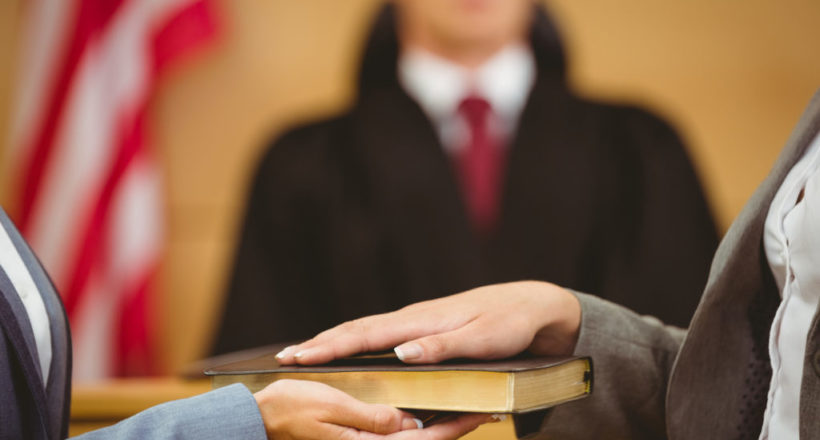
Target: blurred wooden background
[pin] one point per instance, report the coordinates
(732, 75)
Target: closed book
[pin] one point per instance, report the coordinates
(515, 385)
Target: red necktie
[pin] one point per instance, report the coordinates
(480, 165)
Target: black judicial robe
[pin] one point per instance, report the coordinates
(361, 213)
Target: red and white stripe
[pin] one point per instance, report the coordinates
(89, 197)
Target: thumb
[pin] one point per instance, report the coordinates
(435, 348)
(378, 419)
(480, 339)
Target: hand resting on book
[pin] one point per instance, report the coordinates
(489, 322)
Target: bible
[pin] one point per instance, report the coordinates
(515, 385)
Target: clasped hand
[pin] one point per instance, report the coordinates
(303, 410)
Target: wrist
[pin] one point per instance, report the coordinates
(558, 321)
(267, 401)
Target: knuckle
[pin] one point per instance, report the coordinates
(436, 346)
(383, 420)
(358, 325)
(353, 328)
(282, 385)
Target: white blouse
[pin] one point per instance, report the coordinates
(792, 245)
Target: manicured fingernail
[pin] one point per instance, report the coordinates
(285, 352)
(410, 423)
(408, 352)
(498, 418)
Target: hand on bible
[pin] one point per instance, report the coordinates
(489, 322)
(301, 410)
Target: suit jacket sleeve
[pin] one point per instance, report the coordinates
(632, 359)
(229, 412)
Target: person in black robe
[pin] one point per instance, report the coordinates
(362, 213)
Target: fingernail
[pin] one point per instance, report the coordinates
(285, 352)
(411, 424)
(408, 352)
(498, 418)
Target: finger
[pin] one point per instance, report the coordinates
(368, 334)
(344, 410)
(449, 430)
(350, 433)
(480, 339)
(379, 332)
(378, 419)
(341, 346)
(343, 340)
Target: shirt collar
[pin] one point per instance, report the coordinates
(439, 85)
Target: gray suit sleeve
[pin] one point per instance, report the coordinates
(229, 412)
(632, 359)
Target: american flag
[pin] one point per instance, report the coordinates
(88, 190)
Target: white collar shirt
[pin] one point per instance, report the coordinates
(792, 245)
(439, 85)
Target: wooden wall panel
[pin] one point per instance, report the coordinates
(9, 22)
